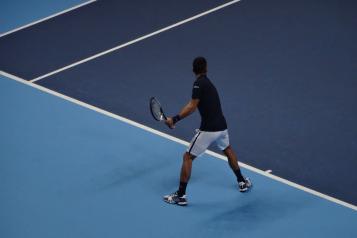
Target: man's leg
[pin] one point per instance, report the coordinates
(185, 173)
(233, 163)
(198, 145)
(244, 183)
(179, 197)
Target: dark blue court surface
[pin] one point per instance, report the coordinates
(89, 30)
(285, 72)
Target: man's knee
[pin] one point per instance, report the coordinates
(188, 156)
(227, 150)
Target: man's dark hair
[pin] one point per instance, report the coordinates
(199, 65)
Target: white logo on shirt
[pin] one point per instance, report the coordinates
(196, 87)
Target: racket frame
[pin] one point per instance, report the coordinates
(163, 116)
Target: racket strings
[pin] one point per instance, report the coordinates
(156, 110)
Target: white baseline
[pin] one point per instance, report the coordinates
(159, 133)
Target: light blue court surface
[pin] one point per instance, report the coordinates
(67, 171)
(16, 13)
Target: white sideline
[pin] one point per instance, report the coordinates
(134, 41)
(46, 18)
(159, 133)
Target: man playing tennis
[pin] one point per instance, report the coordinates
(213, 129)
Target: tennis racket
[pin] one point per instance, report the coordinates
(156, 110)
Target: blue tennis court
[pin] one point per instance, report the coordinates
(81, 155)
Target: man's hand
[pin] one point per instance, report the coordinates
(170, 123)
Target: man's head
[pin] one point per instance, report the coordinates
(199, 66)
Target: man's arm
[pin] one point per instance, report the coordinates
(189, 108)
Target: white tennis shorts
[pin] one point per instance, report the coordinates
(203, 139)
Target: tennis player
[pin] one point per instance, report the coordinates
(213, 129)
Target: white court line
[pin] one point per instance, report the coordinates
(134, 41)
(159, 133)
(46, 18)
